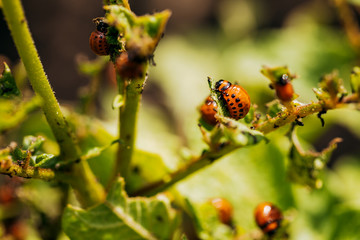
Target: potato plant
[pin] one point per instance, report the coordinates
(69, 176)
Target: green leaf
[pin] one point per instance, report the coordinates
(8, 86)
(18, 154)
(331, 90)
(274, 107)
(305, 167)
(45, 160)
(13, 113)
(96, 151)
(141, 34)
(145, 167)
(32, 143)
(121, 217)
(275, 73)
(92, 68)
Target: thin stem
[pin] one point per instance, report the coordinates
(287, 116)
(127, 121)
(89, 191)
(193, 166)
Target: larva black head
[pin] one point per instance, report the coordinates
(222, 85)
(284, 79)
(102, 27)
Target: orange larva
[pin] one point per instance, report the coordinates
(284, 89)
(237, 99)
(224, 210)
(98, 41)
(208, 111)
(268, 217)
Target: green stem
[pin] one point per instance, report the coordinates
(193, 166)
(127, 121)
(287, 116)
(89, 191)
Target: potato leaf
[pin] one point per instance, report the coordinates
(305, 166)
(121, 217)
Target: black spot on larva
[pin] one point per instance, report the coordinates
(228, 99)
(100, 41)
(231, 104)
(240, 105)
(241, 110)
(240, 114)
(96, 36)
(227, 94)
(235, 111)
(237, 100)
(101, 36)
(233, 95)
(233, 108)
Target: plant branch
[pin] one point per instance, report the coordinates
(288, 116)
(7, 167)
(197, 163)
(70, 151)
(128, 119)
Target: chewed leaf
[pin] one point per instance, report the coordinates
(305, 166)
(331, 90)
(274, 108)
(45, 160)
(231, 133)
(121, 217)
(275, 73)
(140, 33)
